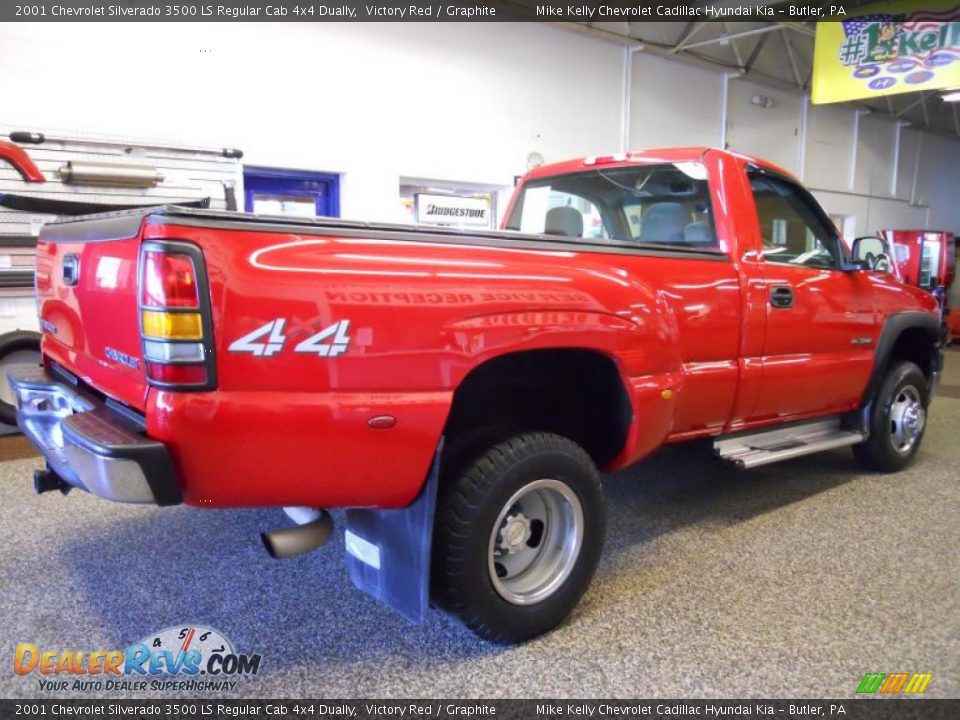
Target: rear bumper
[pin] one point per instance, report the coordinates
(89, 444)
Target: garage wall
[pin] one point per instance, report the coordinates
(937, 181)
(660, 116)
(853, 163)
(453, 102)
(772, 133)
(374, 101)
(871, 179)
(829, 150)
(907, 165)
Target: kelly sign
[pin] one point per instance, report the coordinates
(892, 48)
(453, 210)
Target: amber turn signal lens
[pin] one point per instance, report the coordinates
(172, 326)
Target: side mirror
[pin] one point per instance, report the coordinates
(870, 253)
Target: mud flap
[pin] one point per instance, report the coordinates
(388, 551)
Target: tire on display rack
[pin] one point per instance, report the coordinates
(517, 536)
(16, 348)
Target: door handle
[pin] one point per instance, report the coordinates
(781, 297)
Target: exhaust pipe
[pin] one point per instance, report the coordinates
(312, 530)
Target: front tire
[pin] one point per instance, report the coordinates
(517, 537)
(898, 420)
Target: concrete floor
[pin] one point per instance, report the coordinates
(790, 581)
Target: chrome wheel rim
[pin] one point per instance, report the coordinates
(908, 418)
(535, 541)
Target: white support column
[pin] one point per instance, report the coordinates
(916, 169)
(625, 99)
(724, 93)
(896, 161)
(802, 149)
(853, 151)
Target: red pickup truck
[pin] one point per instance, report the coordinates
(459, 391)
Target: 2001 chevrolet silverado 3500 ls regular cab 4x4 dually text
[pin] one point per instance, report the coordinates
(458, 391)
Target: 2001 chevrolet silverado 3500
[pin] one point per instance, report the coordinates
(458, 391)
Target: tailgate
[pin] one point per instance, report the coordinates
(88, 302)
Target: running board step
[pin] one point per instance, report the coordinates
(770, 446)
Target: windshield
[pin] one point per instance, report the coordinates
(666, 204)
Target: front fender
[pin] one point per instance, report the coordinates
(893, 328)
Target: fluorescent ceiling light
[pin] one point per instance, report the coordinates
(951, 96)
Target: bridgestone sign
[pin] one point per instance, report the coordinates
(452, 210)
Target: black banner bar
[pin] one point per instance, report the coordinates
(418, 11)
(190, 709)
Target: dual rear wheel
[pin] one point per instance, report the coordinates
(517, 537)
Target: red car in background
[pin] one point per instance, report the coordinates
(927, 259)
(923, 258)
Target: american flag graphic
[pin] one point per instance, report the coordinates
(927, 20)
(858, 25)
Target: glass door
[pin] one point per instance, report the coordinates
(277, 191)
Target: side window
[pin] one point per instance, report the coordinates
(794, 229)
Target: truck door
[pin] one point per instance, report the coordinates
(821, 325)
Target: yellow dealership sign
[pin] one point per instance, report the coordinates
(887, 49)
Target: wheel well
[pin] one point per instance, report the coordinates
(916, 345)
(573, 392)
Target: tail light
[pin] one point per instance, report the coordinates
(175, 324)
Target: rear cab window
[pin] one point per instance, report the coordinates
(646, 205)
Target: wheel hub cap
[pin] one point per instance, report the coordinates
(535, 541)
(914, 419)
(908, 418)
(515, 533)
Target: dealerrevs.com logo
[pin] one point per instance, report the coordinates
(181, 658)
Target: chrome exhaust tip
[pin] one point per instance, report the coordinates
(312, 532)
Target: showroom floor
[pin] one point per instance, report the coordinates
(792, 581)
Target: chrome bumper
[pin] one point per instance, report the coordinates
(90, 445)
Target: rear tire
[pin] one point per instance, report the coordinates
(898, 420)
(517, 537)
(20, 346)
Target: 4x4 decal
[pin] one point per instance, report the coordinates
(269, 339)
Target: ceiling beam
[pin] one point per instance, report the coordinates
(903, 111)
(688, 30)
(728, 37)
(689, 33)
(801, 28)
(733, 46)
(792, 58)
(666, 51)
(757, 49)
